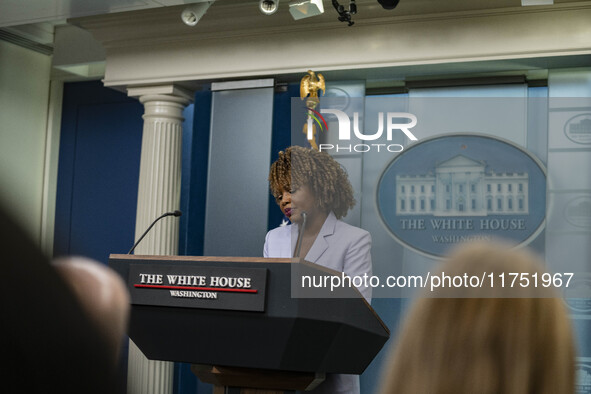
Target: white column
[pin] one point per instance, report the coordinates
(159, 192)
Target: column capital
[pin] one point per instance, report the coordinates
(164, 92)
(165, 101)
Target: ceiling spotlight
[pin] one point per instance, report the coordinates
(193, 13)
(268, 7)
(300, 9)
(388, 4)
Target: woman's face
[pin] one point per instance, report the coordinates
(293, 203)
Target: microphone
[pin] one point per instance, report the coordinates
(176, 213)
(300, 234)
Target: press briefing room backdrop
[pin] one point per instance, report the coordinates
(73, 117)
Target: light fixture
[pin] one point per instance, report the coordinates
(192, 14)
(300, 9)
(388, 4)
(268, 7)
(345, 14)
(536, 2)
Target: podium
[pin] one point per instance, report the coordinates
(252, 323)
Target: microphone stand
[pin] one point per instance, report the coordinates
(300, 235)
(175, 213)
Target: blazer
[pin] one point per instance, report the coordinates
(338, 246)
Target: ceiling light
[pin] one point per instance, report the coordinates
(192, 14)
(388, 4)
(268, 7)
(300, 9)
(536, 2)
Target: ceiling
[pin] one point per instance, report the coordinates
(23, 12)
(34, 21)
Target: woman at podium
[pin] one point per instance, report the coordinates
(314, 192)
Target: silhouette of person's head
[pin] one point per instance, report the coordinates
(485, 340)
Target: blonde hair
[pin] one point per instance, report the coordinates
(518, 345)
(326, 178)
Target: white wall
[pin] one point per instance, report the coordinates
(570, 83)
(24, 99)
(569, 167)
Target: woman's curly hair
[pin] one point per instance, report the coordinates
(326, 178)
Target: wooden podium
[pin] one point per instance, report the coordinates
(248, 325)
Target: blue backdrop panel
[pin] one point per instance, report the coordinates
(98, 171)
(98, 175)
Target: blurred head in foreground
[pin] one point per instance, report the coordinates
(103, 295)
(495, 341)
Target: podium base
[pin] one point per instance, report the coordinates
(236, 380)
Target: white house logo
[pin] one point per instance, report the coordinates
(578, 129)
(583, 379)
(454, 189)
(576, 296)
(578, 212)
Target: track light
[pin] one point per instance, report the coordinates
(192, 14)
(388, 4)
(268, 7)
(305, 8)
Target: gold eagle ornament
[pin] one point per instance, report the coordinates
(311, 84)
(309, 87)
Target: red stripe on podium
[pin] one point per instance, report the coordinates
(197, 288)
